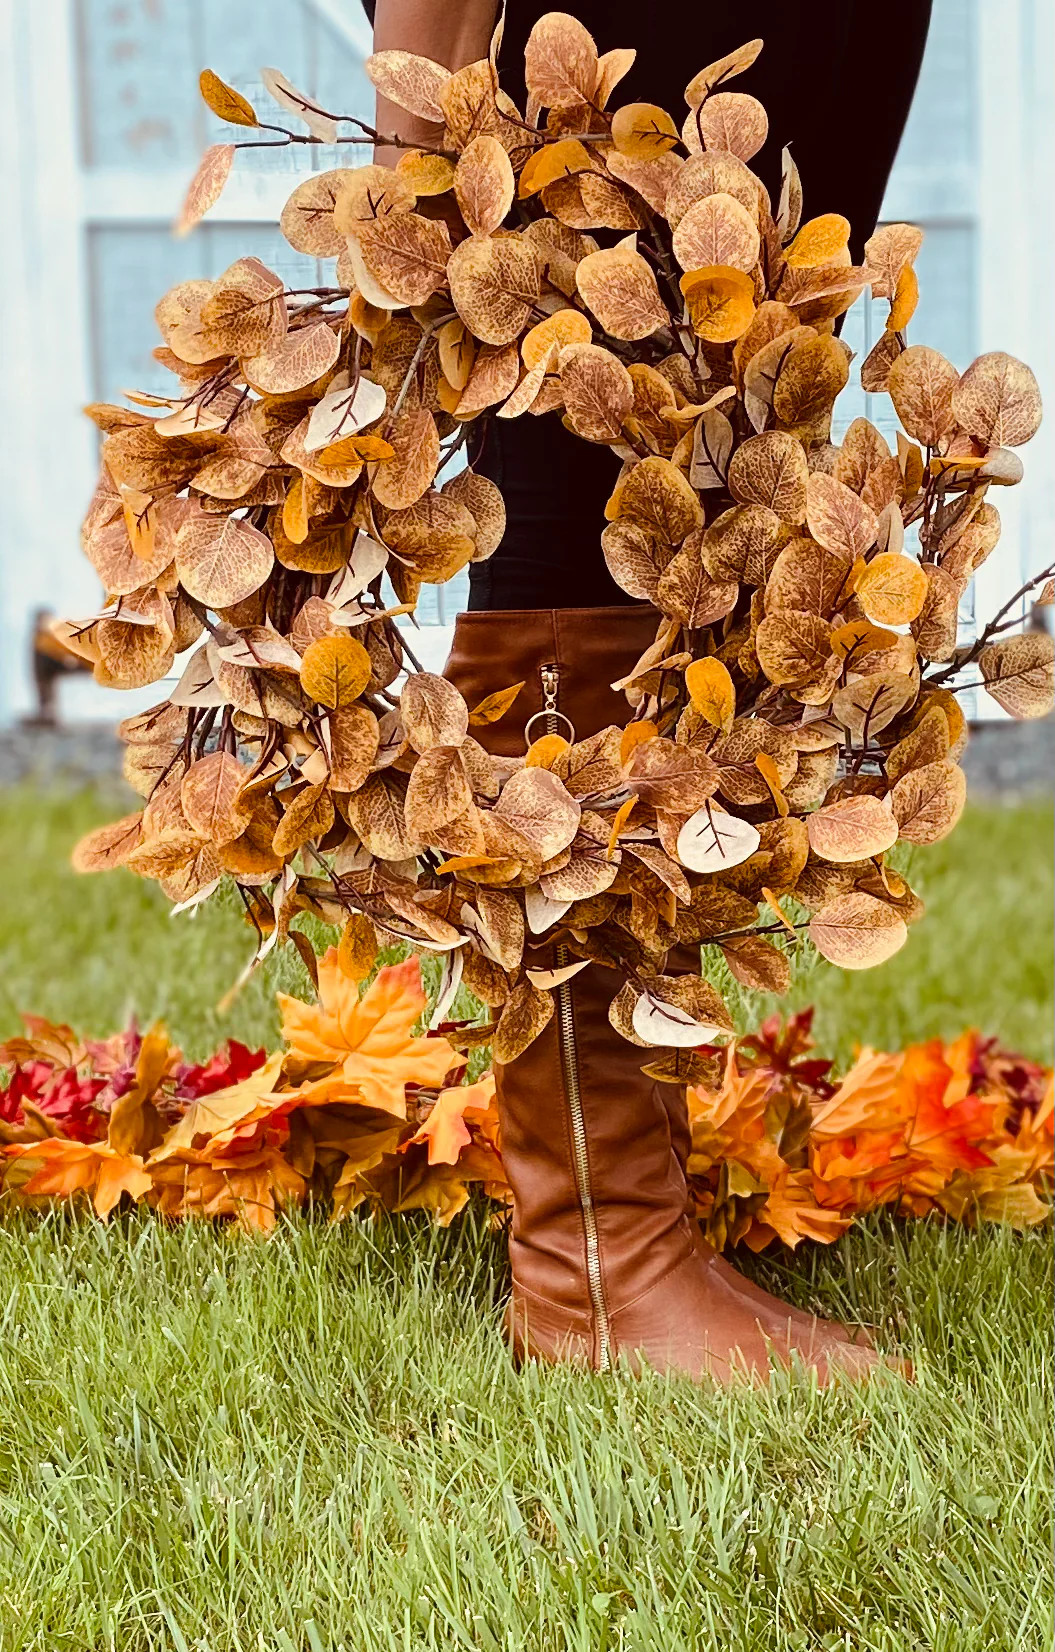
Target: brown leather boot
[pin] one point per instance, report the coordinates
(606, 1262)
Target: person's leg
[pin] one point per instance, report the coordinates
(836, 82)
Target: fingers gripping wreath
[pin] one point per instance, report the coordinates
(272, 519)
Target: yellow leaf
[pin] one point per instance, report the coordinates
(224, 101)
(625, 811)
(553, 161)
(494, 706)
(635, 734)
(546, 751)
(712, 693)
(776, 908)
(295, 513)
(357, 948)
(643, 131)
(818, 241)
(892, 589)
(771, 775)
(334, 671)
(721, 302)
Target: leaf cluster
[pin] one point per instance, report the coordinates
(627, 272)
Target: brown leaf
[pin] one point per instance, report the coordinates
(433, 712)
(928, 801)
(716, 74)
(672, 777)
(857, 931)
(206, 186)
(484, 501)
(1019, 673)
(354, 740)
(793, 646)
(718, 230)
(484, 185)
(875, 369)
(221, 559)
(837, 518)
(873, 702)
(402, 480)
(493, 376)
(921, 384)
(635, 559)
(771, 470)
(537, 805)
(411, 82)
(525, 1014)
(560, 62)
(854, 828)
(997, 401)
(809, 576)
(295, 361)
(733, 121)
(405, 254)
(438, 791)
(686, 592)
(110, 845)
(377, 814)
(494, 283)
(660, 499)
(887, 252)
(307, 219)
(620, 288)
(812, 375)
(742, 544)
(368, 192)
(209, 797)
(715, 173)
(598, 392)
(309, 815)
(757, 964)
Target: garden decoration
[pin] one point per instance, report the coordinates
(359, 1111)
(797, 714)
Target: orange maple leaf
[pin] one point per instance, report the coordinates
(368, 1041)
(445, 1129)
(92, 1168)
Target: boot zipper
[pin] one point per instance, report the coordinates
(570, 1066)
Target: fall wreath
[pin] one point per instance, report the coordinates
(797, 714)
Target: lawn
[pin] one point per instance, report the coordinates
(318, 1443)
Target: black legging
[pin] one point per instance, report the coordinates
(836, 78)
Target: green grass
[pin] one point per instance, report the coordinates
(318, 1443)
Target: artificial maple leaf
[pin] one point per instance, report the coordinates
(92, 1168)
(225, 1113)
(250, 1187)
(368, 1041)
(445, 1129)
(793, 1213)
(867, 1098)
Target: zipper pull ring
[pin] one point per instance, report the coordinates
(549, 675)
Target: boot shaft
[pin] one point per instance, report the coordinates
(599, 1194)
